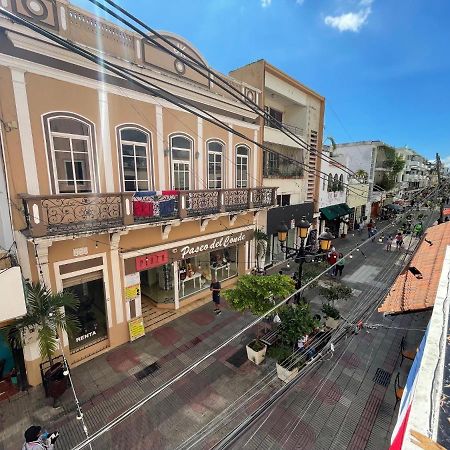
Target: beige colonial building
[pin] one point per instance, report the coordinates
(121, 196)
(301, 111)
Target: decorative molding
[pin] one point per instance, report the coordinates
(104, 144)
(161, 153)
(165, 230)
(25, 132)
(204, 224)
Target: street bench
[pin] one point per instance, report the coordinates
(270, 337)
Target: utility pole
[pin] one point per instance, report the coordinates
(441, 206)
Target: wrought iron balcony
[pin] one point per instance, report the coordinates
(74, 213)
(276, 166)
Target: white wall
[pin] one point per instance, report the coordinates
(6, 234)
(332, 198)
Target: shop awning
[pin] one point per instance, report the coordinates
(335, 211)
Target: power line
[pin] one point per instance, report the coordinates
(198, 66)
(156, 90)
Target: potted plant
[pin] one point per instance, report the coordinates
(258, 295)
(332, 315)
(47, 313)
(296, 322)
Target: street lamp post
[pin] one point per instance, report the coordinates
(300, 253)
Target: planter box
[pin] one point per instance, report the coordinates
(256, 357)
(286, 375)
(332, 323)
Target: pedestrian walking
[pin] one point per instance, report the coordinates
(389, 242)
(418, 229)
(399, 240)
(373, 233)
(38, 439)
(339, 267)
(370, 227)
(215, 288)
(332, 258)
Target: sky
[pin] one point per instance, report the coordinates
(383, 66)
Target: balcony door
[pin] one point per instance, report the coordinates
(215, 165)
(242, 157)
(71, 154)
(181, 162)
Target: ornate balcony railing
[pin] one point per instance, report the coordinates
(74, 213)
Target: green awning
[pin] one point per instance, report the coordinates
(335, 211)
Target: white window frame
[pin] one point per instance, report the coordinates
(215, 154)
(240, 164)
(87, 138)
(184, 162)
(148, 157)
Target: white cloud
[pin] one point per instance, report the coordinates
(352, 21)
(265, 3)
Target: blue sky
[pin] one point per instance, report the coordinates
(382, 65)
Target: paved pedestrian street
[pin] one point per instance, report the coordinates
(339, 404)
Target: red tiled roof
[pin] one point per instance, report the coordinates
(409, 293)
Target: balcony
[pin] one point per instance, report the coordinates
(276, 166)
(73, 213)
(292, 128)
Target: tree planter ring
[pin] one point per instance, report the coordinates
(286, 375)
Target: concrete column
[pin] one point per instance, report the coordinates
(176, 285)
(42, 261)
(116, 277)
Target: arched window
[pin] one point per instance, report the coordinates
(135, 159)
(215, 164)
(71, 152)
(341, 182)
(242, 156)
(330, 183)
(335, 183)
(181, 161)
(324, 184)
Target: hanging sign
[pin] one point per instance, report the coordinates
(152, 260)
(136, 328)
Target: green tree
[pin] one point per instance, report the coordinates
(296, 321)
(362, 175)
(46, 314)
(334, 292)
(258, 294)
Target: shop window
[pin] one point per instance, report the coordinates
(242, 156)
(91, 312)
(196, 273)
(71, 153)
(136, 159)
(215, 164)
(181, 160)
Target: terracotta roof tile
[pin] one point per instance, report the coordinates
(409, 293)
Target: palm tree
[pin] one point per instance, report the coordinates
(46, 314)
(361, 174)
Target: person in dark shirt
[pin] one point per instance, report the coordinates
(215, 288)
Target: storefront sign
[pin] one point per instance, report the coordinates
(132, 291)
(152, 260)
(230, 240)
(86, 336)
(136, 328)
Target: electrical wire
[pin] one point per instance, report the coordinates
(203, 70)
(105, 428)
(158, 91)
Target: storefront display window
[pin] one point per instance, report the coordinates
(196, 273)
(158, 285)
(91, 313)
